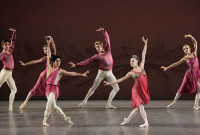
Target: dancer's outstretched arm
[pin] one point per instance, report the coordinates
(174, 64)
(129, 74)
(12, 40)
(85, 62)
(32, 62)
(106, 37)
(144, 52)
(194, 41)
(48, 53)
(64, 72)
(52, 44)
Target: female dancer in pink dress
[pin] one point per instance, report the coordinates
(140, 90)
(39, 88)
(8, 65)
(54, 74)
(104, 57)
(191, 82)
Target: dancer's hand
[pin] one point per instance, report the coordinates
(144, 40)
(164, 68)
(100, 29)
(48, 38)
(188, 35)
(11, 29)
(106, 83)
(72, 64)
(22, 63)
(85, 74)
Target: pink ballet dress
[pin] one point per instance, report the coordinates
(192, 75)
(39, 88)
(140, 90)
(50, 86)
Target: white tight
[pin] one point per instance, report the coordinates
(6, 76)
(51, 104)
(108, 75)
(135, 111)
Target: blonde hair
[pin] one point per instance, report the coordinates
(136, 57)
(97, 43)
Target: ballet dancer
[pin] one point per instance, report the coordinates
(54, 74)
(191, 82)
(104, 57)
(140, 91)
(39, 88)
(6, 73)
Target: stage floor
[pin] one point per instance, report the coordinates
(94, 119)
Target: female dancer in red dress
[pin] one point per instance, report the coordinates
(54, 74)
(191, 82)
(39, 88)
(140, 91)
(8, 65)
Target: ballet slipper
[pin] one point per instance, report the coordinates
(196, 108)
(82, 104)
(45, 124)
(68, 120)
(170, 105)
(109, 106)
(144, 125)
(124, 122)
(23, 105)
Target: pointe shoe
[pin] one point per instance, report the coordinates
(22, 106)
(82, 104)
(10, 109)
(144, 125)
(109, 106)
(170, 105)
(124, 122)
(196, 108)
(68, 120)
(45, 124)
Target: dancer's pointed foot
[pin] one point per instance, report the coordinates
(68, 120)
(124, 122)
(109, 106)
(144, 125)
(23, 105)
(82, 104)
(170, 105)
(45, 124)
(196, 107)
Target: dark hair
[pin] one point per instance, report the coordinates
(136, 57)
(44, 45)
(3, 42)
(54, 57)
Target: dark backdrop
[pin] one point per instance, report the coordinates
(72, 24)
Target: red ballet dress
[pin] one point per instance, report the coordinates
(192, 75)
(140, 90)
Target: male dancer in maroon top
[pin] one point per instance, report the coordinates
(104, 57)
(8, 62)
